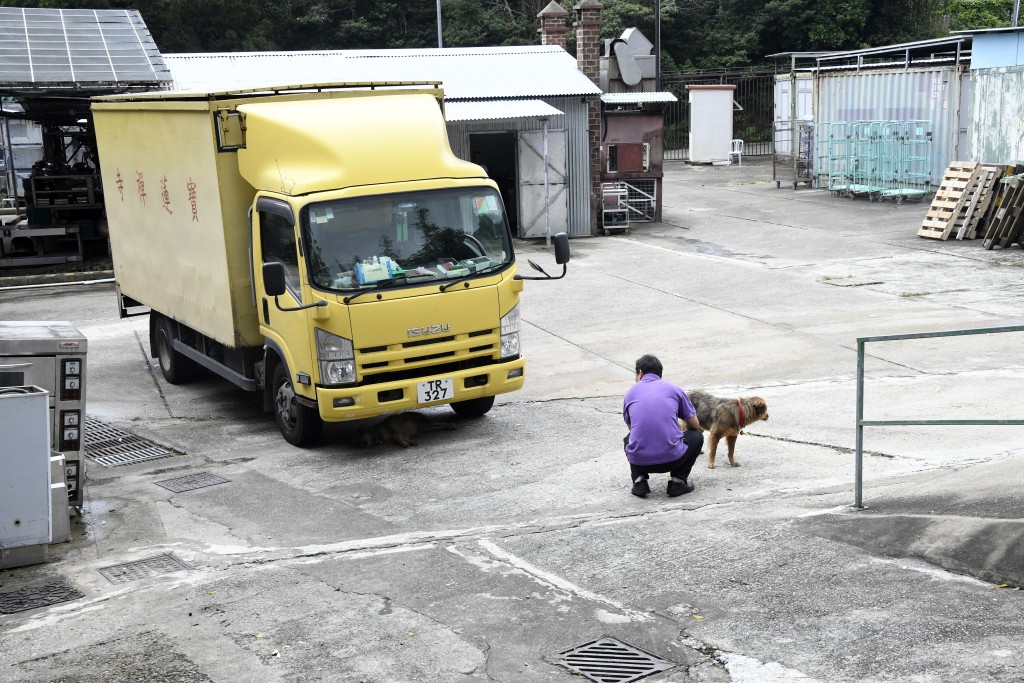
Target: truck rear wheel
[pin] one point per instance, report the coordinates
(175, 368)
(474, 407)
(300, 425)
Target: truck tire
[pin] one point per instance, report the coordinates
(474, 407)
(299, 424)
(175, 368)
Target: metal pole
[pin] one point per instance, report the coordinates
(657, 45)
(547, 199)
(12, 175)
(1016, 12)
(439, 44)
(858, 501)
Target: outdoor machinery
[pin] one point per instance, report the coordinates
(322, 245)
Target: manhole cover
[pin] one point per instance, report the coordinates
(113, 447)
(191, 482)
(611, 661)
(142, 569)
(40, 596)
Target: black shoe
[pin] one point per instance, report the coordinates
(641, 488)
(678, 488)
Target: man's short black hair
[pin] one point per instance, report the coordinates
(648, 365)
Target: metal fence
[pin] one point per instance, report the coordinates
(858, 497)
(752, 122)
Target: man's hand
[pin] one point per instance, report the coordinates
(691, 422)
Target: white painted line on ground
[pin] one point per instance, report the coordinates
(559, 583)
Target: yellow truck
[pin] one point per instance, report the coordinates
(321, 245)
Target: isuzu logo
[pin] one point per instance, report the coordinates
(427, 330)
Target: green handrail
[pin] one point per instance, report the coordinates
(861, 422)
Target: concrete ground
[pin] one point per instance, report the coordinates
(485, 553)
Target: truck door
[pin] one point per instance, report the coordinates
(275, 239)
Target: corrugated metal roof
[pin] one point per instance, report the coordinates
(465, 73)
(637, 97)
(498, 109)
(77, 48)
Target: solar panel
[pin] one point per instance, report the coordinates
(77, 48)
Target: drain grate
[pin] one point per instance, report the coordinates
(143, 569)
(611, 661)
(191, 482)
(113, 447)
(40, 596)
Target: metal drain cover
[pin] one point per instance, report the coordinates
(142, 569)
(610, 661)
(113, 447)
(40, 596)
(191, 482)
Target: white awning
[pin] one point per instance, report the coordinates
(499, 109)
(637, 97)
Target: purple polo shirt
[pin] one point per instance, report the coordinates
(650, 408)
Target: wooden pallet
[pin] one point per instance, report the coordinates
(998, 190)
(1006, 226)
(951, 199)
(984, 193)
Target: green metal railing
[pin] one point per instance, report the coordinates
(862, 423)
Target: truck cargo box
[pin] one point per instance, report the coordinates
(177, 214)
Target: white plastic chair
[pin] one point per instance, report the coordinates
(737, 151)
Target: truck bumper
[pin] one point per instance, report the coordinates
(357, 403)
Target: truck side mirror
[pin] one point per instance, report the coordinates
(561, 242)
(273, 278)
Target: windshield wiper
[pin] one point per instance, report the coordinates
(376, 285)
(466, 279)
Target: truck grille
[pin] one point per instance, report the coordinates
(425, 357)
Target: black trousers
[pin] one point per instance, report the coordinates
(679, 468)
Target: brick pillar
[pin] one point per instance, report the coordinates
(553, 27)
(588, 60)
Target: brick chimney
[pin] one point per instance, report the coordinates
(588, 60)
(553, 27)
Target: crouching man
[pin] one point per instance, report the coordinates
(652, 409)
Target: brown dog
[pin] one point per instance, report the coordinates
(400, 429)
(726, 417)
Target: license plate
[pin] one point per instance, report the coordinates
(435, 390)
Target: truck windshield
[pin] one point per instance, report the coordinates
(409, 238)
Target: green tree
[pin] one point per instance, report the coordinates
(963, 15)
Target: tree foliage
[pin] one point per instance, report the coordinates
(694, 33)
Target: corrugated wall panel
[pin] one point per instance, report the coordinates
(574, 121)
(919, 94)
(997, 133)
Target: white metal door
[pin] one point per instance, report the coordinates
(543, 202)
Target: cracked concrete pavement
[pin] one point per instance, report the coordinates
(484, 553)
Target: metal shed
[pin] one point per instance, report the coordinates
(925, 81)
(522, 112)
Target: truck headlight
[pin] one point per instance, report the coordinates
(510, 333)
(337, 358)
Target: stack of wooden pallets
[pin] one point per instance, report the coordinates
(1008, 219)
(973, 201)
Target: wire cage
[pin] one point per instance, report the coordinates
(792, 152)
(876, 159)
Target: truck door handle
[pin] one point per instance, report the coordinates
(266, 312)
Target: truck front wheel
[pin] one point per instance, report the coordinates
(300, 425)
(175, 368)
(474, 407)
